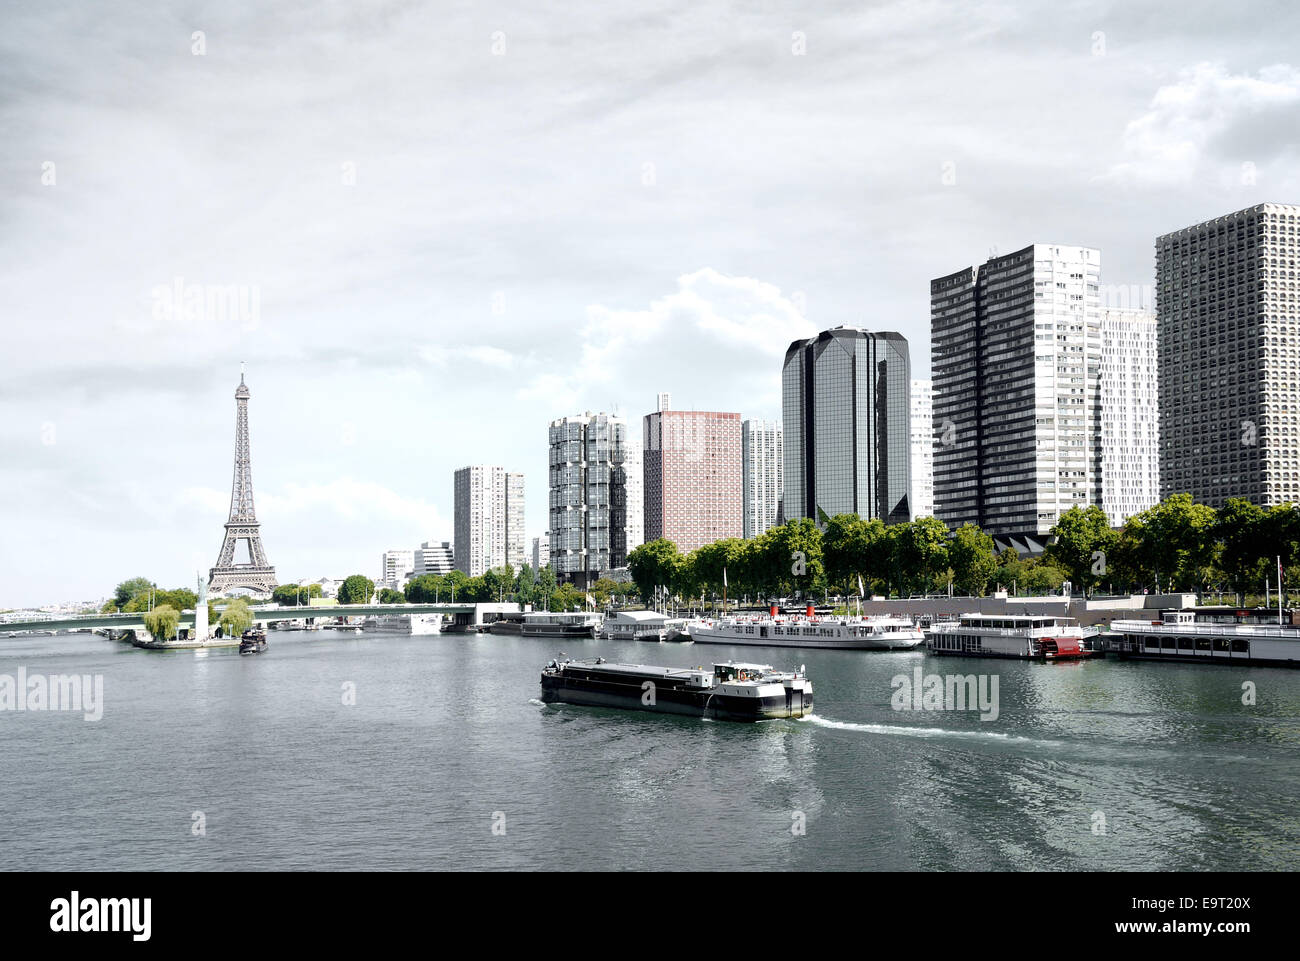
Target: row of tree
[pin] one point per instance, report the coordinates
(1175, 545)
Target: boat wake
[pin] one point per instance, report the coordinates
(533, 700)
(907, 731)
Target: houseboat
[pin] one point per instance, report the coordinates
(643, 626)
(729, 692)
(252, 641)
(1026, 636)
(1183, 636)
(413, 625)
(576, 624)
(809, 630)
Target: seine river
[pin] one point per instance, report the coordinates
(210, 761)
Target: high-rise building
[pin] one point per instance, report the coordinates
(844, 405)
(541, 551)
(489, 519)
(922, 443)
(761, 457)
(1015, 352)
(635, 476)
(1130, 413)
(588, 506)
(396, 568)
(693, 476)
(1228, 309)
(431, 558)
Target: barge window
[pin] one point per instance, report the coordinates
(1185, 643)
(1202, 643)
(1240, 646)
(1153, 643)
(1220, 643)
(1169, 644)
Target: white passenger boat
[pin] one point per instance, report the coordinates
(1026, 636)
(809, 630)
(1182, 636)
(577, 624)
(643, 626)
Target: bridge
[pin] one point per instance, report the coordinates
(465, 614)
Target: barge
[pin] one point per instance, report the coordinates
(729, 692)
(252, 641)
(1182, 636)
(577, 624)
(1025, 636)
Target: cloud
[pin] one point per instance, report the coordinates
(487, 355)
(1189, 121)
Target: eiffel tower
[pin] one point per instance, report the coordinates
(257, 576)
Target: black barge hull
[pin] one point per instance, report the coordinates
(671, 700)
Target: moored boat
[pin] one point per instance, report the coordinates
(730, 691)
(872, 633)
(1182, 636)
(1025, 636)
(576, 624)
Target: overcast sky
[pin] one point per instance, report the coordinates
(455, 222)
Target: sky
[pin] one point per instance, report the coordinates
(430, 229)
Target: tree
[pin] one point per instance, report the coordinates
(790, 557)
(603, 590)
(498, 583)
(1177, 541)
(567, 598)
(524, 585)
(1083, 540)
(544, 589)
(291, 595)
(654, 565)
(389, 596)
(922, 551)
(1238, 529)
(357, 589)
(425, 589)
(236, 618)
(129, 589)
(970, 553)
(162, 622)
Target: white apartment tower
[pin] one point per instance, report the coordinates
(431, 558)
(1130, 413)
(761, 457)
(396, 568)
(922, 499)
(489, 519)
(1016, 352)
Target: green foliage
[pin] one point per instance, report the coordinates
(603, 590)
(970, 554)
(389, 596)
(653, 565)
(236, 618)
(567, 598)
(921, 552)
(162, 622)
(130, 589)
(544, 589)
(357, 589)
(1084, 542)
(290, 595)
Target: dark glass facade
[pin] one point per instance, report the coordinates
(845, 408)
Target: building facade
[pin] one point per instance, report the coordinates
(396, 568)
(437, 559)
(845, 412)
(1228, 309)
(588, 498)
(1130, 413)
(762, 467)
(541, 551)
(691, 462)
(634, 475)
(1016, 350)
(489, 519)
(921, 427)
